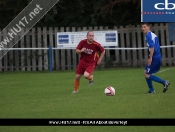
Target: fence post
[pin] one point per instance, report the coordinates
(50, 58)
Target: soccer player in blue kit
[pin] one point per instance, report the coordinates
(154, 60)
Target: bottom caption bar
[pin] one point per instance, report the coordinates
(87, 122)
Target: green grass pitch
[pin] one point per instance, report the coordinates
(48, 95)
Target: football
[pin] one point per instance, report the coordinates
(109, 91)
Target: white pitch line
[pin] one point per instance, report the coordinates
(165, 70)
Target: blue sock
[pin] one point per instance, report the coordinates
(157, 79)
(149, 83)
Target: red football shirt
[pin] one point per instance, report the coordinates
(91, 53)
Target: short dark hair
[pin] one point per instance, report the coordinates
(88, 32)
(146, 23)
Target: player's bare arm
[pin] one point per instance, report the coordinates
(150, 56)
(78, 51)
(101, 57)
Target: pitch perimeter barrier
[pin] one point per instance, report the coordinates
(50, 53)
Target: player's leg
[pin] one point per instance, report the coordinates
(160, 80)
(88, 74)
(153, 68)
(79, 72)
(76, 82)
(149, 83)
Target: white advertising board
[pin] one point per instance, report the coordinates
(72, 39)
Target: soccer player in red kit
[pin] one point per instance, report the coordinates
(89, 49)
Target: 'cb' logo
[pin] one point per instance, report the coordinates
(165, 6)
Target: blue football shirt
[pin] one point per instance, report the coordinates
(153, 41)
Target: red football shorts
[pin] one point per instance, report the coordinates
(84, 66)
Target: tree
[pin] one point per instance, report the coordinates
(121, 12)
(78, 13)
(10, 9)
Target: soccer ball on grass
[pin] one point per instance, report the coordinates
(109, 91)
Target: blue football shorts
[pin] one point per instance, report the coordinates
(155, 65)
